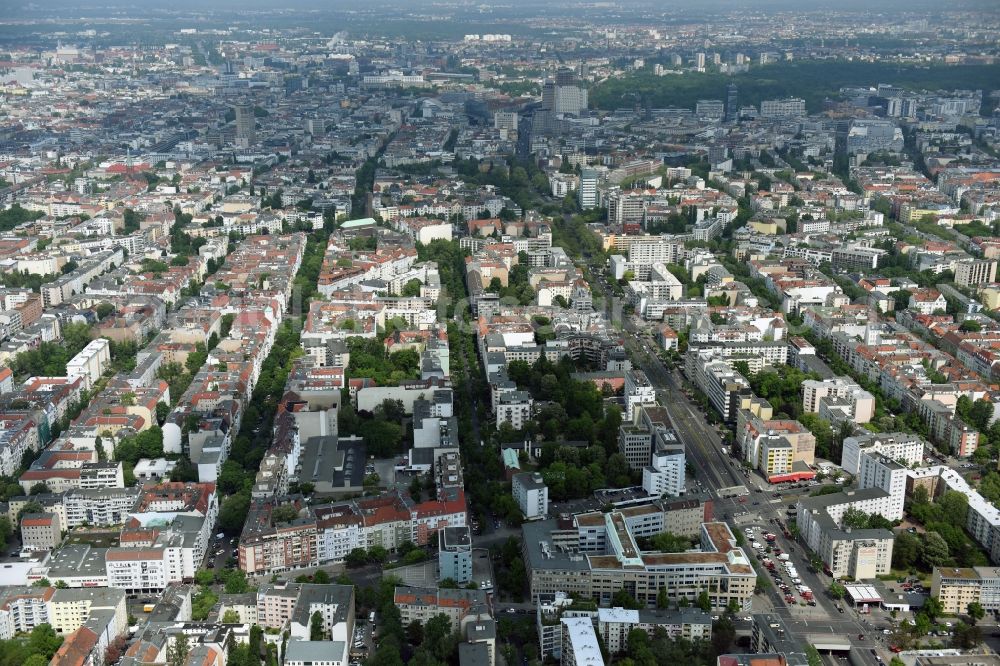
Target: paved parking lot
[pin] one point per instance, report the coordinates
(386, 470)
(621, 494)
(362, 642)
(220, 551)
(426, 573)
(417, 575)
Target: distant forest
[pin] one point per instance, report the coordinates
(813, 81)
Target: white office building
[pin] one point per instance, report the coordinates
(791, 107)
(664, 476)
(638, 391)
(587, 193)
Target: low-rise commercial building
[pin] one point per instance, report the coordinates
(956, 588)
(574, 562)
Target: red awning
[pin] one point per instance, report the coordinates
(792, 476)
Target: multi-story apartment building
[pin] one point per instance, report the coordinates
(61, 474)
(879, 471)
(480, 645)
(882, 484)
(143, 570)
(17, 437)
(982, 520)
(614, 624)
(268, 545)
(90, 363)
(972, 272)
(514, 407)
(460, 606)
(102, 475)
(780, 449)
(624, 208)
(152, 557)
(719, 382)
(89, 620)
(40, 531)
(276, 603)
(927, 301)
(580, 646)
(856, 553)
(860, 553)
(531, 494)
(291, 606)
(649, 250)
(900, 446)
(327, 533)
(22, 609)
(548, 622)
(99, 507)
(339, 530)
(70, 609)
(860, 401)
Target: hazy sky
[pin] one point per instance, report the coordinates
(143, 6)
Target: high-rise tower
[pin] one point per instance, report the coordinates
(246, 134)
(732, 103)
